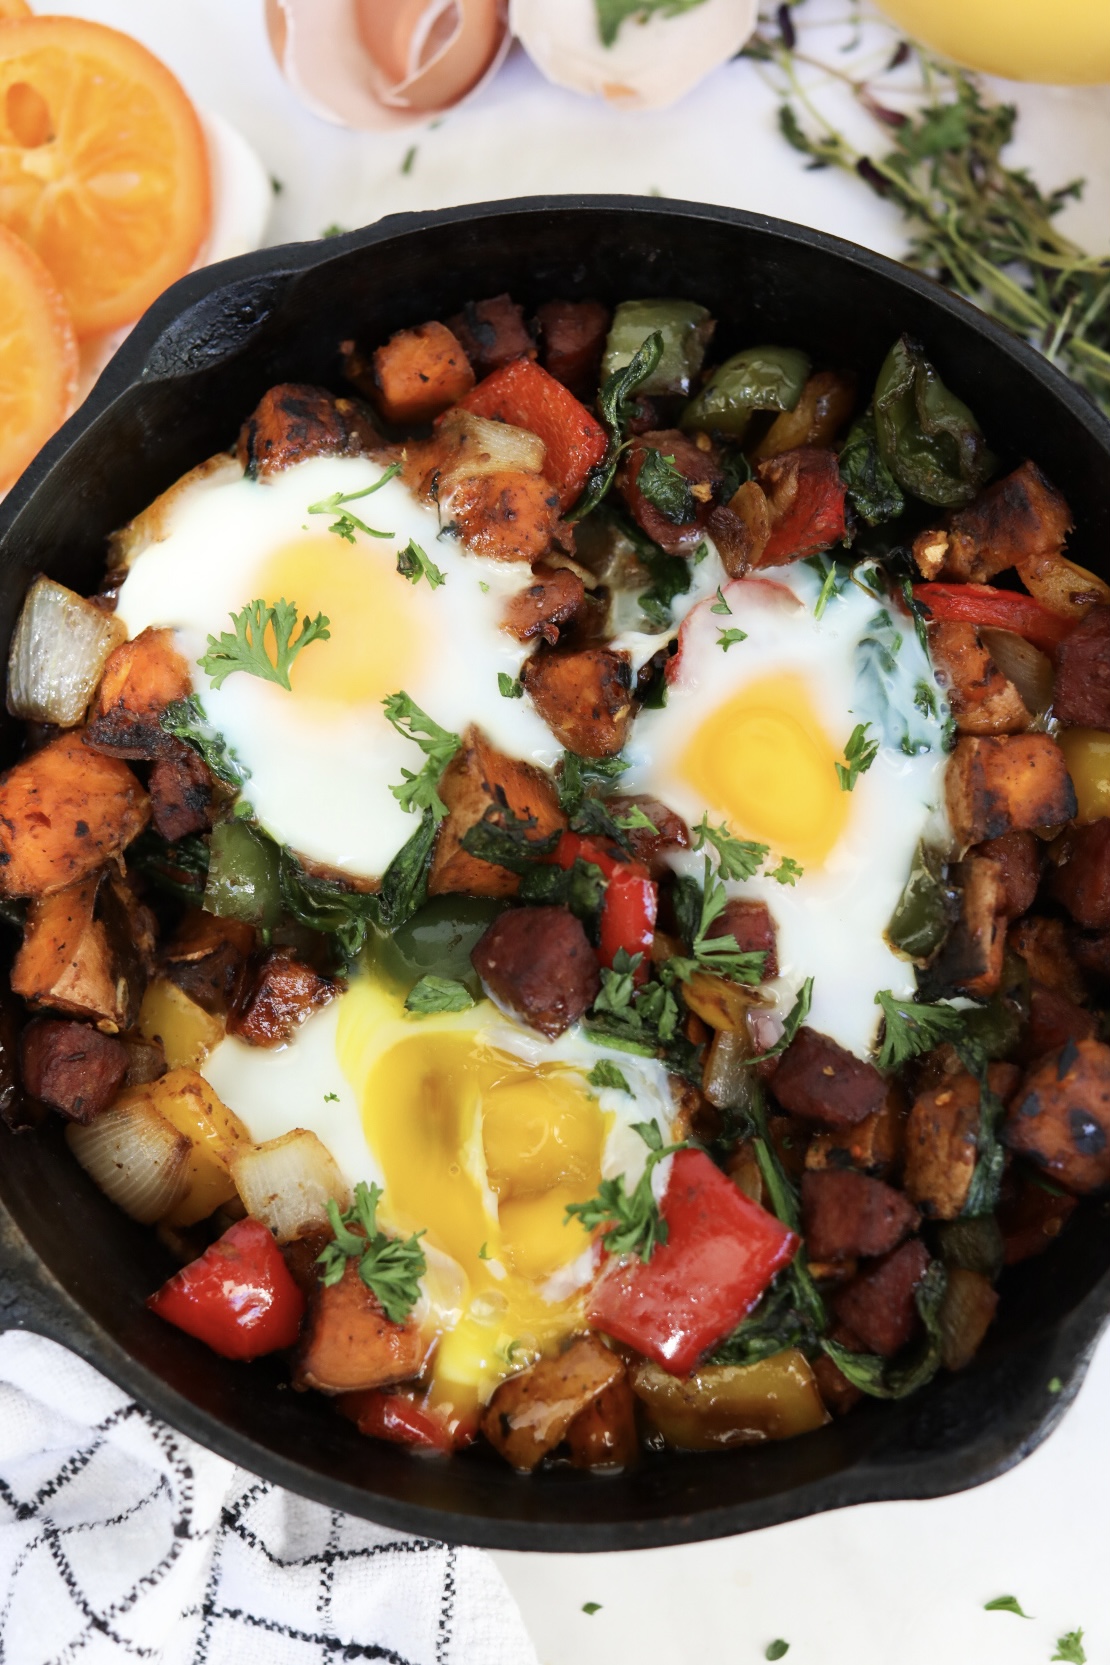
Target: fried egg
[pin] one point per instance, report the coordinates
(480, 1133)
(750, 736)
(323, 757)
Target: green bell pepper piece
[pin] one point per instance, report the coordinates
(686, 329)
(927, 437)
(439, 938)
(759, 378)
(926, 909)
(243, 876)
(974, 1243)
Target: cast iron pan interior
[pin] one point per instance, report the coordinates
(74, 1268)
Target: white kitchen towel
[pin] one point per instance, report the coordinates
(121, 1540)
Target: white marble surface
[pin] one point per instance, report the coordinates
(891, 1584)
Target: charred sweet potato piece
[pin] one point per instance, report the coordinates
(65, 811)
(140, 679)
(420, 372)
(604, 1434)
(554, 598)
(477, 779)
(969, 960)
(847, 1214)
(699, 467)
(1012, 520)
(942, 1140)
(1060, 1116)
(1053, 1020)
(878, 1305)
(1082, 881)
(294, 421)
(509, 517)
(806, 497)
(874, 1145)
(751, 924)
(530, 1414)
(492, 333)
(1031, 1217)
(741, 528)
(72, 1067)
(275, 996)
(828, 400)
(821, 1082)
(585, 698)
(983, 701)
(1000, 785)
(83, 953)
(182, 794)
(1081, 693)
(671, 831)
(1017, 855)
(538, 963)
(205, 958)
(348, 1343)
(573, 337)
(1045, 946)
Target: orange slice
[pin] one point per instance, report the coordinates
(103, 167)
(38, 357)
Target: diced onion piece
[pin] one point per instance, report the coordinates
(1067, 590)
(135, 1157)
(287, 1183)
(726, 1075)
(1024, 665)
(58, 651)
(731, 1404)
(484, 447)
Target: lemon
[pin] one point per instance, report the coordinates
(1025, 40)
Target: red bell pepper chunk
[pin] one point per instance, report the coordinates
(239, 1296)
(1000, 609)
(722, 1251)
(631, 898)
(813, 516)
(397, 1415)
(524, 395)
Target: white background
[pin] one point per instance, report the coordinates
(891, 1584)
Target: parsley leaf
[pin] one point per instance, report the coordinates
(1070, 1648)
(738, 858)
(612, 13)
(1005, 1604)
(721, 605)
(795, 1017)
(634, 1223)
(511, 688)
(788, 871)
(247, 650)
(331, 1098)
(606, 1074)
(910, 1029)
(721, 955)
(634, 818)
(579, 774)
(616, 405)
(348, 524)
(438, 994)
(418, 791)
(414, 564)
(390, 1267)
(666, 487)
(729, 638)
(859, 754)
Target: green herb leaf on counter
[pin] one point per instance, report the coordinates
(666, 487)
(247, 650)
(1070, 1648)
(419, 791)
(348, 524)
(612, 13)
(615, 402)
(410, 158)
(635, 1225)
(859, 754)
(186, 720)
(910, 1029)
(1005, 1604)
(438, 994)
(880, 1379)
(334, 230)
(390, 1267)
(778, 1649)
(606, 1074)
(591, 1607)
(414, 564)
(511, 688)
(729, 638)
(331, 1098)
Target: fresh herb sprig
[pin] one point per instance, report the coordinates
(634, 1225)
(414, 564)
(910, 1029)
(616, 407)
(439, 745)
(720, 955)
(742, 858)
(347, 524)
(248, 650)
(612, 13)
(390, 1267)
(859, 754)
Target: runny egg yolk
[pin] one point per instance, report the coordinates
(764, 760)
(483, 1153)
(376, 636)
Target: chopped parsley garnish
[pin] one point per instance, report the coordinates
(331, 1098)
(910, 1029)
(248, 649)
(438, 994)
(833, 579)
(1005, 1604)
(612, 13)
(414, 564)
(348, 524)
(439, 745)
(616, 406)
(390, 1267)
(483, 1252)
(738, 858)
(728, 638)
(859, 754)
(1070, 1648)
(410, 158)
(606, 1074)
(511, 687)
(788, 871)
(633, 1221)
(794, 1020)
(666, 487)
(633, 818)
(721, 955)
(721, 605)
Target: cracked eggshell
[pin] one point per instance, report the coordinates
(378, 64)
(654, 61)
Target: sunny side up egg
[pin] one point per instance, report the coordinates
(322, 760)
(750, 736)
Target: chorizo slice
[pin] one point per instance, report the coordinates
(846, 1214)
(585, 698)
(538, 964)
(182, 794)
(1082, 880)
(1081, 693)
(648, 845)
(72, 1067)
(698, 467)
(492, 333)
(751, 924)
(294, 421)
(820, 1081)
(530, 1414)
(878, 1306)
(573, 334)
(1060, 1116)
(1045, 946)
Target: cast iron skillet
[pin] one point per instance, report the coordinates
(72, 1266)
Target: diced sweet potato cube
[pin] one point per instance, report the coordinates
(585, 698)
(1012, 520)
(182, 794)
(820, 1081)
(1017, 855)
(554, 598)
(538, 963)
(1081, 694)
(294, 421)
(847, 1214)
(878, 1305)
(966, 1314)
(275, 997)
(983, 701)
(65, 811)
(874, 1145)
(1045, 946)
(1060, 1116)
(492, 333)
(701, 468)
(671, 831)
(603, 1435)
(507, 516)
(348, 1343)
(140, 679)
(72, 1067)
(1082, 881)
(84, 952)
(479, 778)
(942, 1141)
(999, 785)
(205, 957)
(573, 336)
(530, 1414)
(420, 372)
(969, 960)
